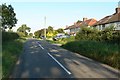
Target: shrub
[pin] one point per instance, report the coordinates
(87, 34)
(9, 36)
(21, 34)
(108, 35)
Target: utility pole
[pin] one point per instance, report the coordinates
(45, 27)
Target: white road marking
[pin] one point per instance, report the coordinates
(56, 60)
(59, 63)
(40, 45)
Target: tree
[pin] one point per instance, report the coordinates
(50, 29)
(0, 16)
(8, 17)
(39, 33)
(50, 32)
(60, 30)
(31, 34)
(24, 29)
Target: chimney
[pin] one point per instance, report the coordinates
(84, 19)
(74, 23)
(117, 10)
(66, 26)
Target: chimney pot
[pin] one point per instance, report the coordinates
(84, 19)
(117, 10)
(66, 26)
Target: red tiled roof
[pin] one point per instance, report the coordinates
(89, 22)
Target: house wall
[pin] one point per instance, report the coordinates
(102, 27)
(116, 25)
(67, 31)
(74, 30)
(99, 27)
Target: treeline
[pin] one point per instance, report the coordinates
(50, 32)
(107, 35)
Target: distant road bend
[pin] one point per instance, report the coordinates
(41, 59)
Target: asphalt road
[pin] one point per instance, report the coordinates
(41, 59)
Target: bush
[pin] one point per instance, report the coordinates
(6, 36)
(87, 34)
(108, 35)
(21, 34)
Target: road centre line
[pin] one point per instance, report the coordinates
(56, 60)
(59, 63)
(39, 45)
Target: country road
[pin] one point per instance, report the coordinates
(41, 59)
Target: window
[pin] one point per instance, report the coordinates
(103, 27)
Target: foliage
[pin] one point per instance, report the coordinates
(93, 34)
(101, 51)
(23, 29)
(51, 34)
(60, 30)
(87, 34)
(31, 34)
(50, 29)
(0, 17)
(8, 17)
(6, 36)
(39, 33)
(21, 34)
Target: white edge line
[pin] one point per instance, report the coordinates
(59, 64)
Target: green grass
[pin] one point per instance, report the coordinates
(100, 51)
(11, 50)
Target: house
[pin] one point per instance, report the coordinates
(73, 29)
(107, 21)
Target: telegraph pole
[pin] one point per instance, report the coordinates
(45, 27)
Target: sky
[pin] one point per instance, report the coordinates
(59, 14)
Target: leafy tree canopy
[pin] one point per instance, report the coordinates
(60, 30)
(39, 33)
(30, 34)
(8, 17)
(50, 29)
(24, 29)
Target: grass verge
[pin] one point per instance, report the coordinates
(10, 53)
(100, 51)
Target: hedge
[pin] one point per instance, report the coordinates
(6, 36)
